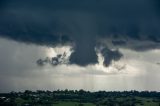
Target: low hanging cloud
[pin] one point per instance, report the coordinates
(19, 71)
(110, 55)
(81, 23)
(59, 59)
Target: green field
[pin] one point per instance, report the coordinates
(127, 101)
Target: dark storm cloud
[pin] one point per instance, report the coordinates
(118, 42)
(51, 22)
(108, 54)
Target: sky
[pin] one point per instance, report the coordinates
(83, 44)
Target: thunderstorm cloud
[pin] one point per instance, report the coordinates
(81, 23)
(63, 41)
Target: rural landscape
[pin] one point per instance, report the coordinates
(80, 98)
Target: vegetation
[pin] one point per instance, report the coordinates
(80, 98)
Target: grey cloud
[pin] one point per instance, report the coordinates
(145, 47)
(59, 59)
(110, 55)
(18, 59)
(80, 22)
(18, 71)
(84, 53)
(119, 42)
